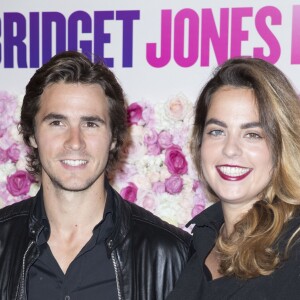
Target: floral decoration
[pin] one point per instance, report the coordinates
(16, 183)
(155, 170)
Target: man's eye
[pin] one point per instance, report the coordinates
(56, 123)
(216, 132)
(91, 124)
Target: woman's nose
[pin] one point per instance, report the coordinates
(232, 146)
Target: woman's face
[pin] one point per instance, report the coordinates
(235, 157)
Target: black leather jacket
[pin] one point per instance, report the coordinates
(148, 254)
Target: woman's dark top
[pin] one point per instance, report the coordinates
(196, 282)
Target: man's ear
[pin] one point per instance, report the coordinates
(33, 142)
(113, 144)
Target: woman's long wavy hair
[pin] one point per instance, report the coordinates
(73, 67)
(251, 249)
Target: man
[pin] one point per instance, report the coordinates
(78, 239)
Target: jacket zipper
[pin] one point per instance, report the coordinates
(116, 270)
(25, 270)
(22, 284)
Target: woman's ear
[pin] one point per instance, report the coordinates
(33, 142)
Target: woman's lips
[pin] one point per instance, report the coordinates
(233, 173)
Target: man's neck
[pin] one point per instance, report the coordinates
(72, 217)
(73, 210)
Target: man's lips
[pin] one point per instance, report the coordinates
(233, 173)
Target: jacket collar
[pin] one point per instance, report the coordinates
(35, 225)
(211, 217)
(206, 229)
(121, 218)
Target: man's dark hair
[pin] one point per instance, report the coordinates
(73, 67)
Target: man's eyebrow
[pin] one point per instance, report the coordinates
(54, 116)
(92, 119)
(216, 122)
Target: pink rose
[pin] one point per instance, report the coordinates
(181, 136)
(8, 105)
(196, 185)
(197, 209)
(3, 156)
(19, 183)
(153, 149)
(129, 192)
(158, 187)
(149, 116)
(175, 161)
(174, 184)
(165, 139)
(13, 152)
(150, 137)
(134, 113)
(147, 199)
(149, 202)
(134, 147)
(124, 172)
(199, 194)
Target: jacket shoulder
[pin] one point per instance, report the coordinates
(148, 220)
(21, 208)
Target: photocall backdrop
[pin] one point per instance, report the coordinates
(162, 53)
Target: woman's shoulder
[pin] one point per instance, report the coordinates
(290, 236)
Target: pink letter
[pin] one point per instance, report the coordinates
(266, 33)
(209, 33)
(189, 18)
(237, 34)
(295, 57)
(166, 31)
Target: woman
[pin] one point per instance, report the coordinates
(246, 147)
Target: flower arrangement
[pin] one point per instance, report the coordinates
(155, 170)
(16, 183)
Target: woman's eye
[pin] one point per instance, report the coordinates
(216, 132)
(253, 135)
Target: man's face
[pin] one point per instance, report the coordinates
(73, 136)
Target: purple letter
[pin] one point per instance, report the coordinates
(266, 33)
(190, 17)
(18, 21)
(209, 33)
(59, 20)
(166, 32)
(100, 37)
(237, 34)
(86, 27)
(34, 40)
(295, 59)
(128, 17)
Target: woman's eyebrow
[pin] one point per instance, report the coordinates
(216, 122)
(251, 125)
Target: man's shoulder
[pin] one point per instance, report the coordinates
(152, 224)
(19, 209)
